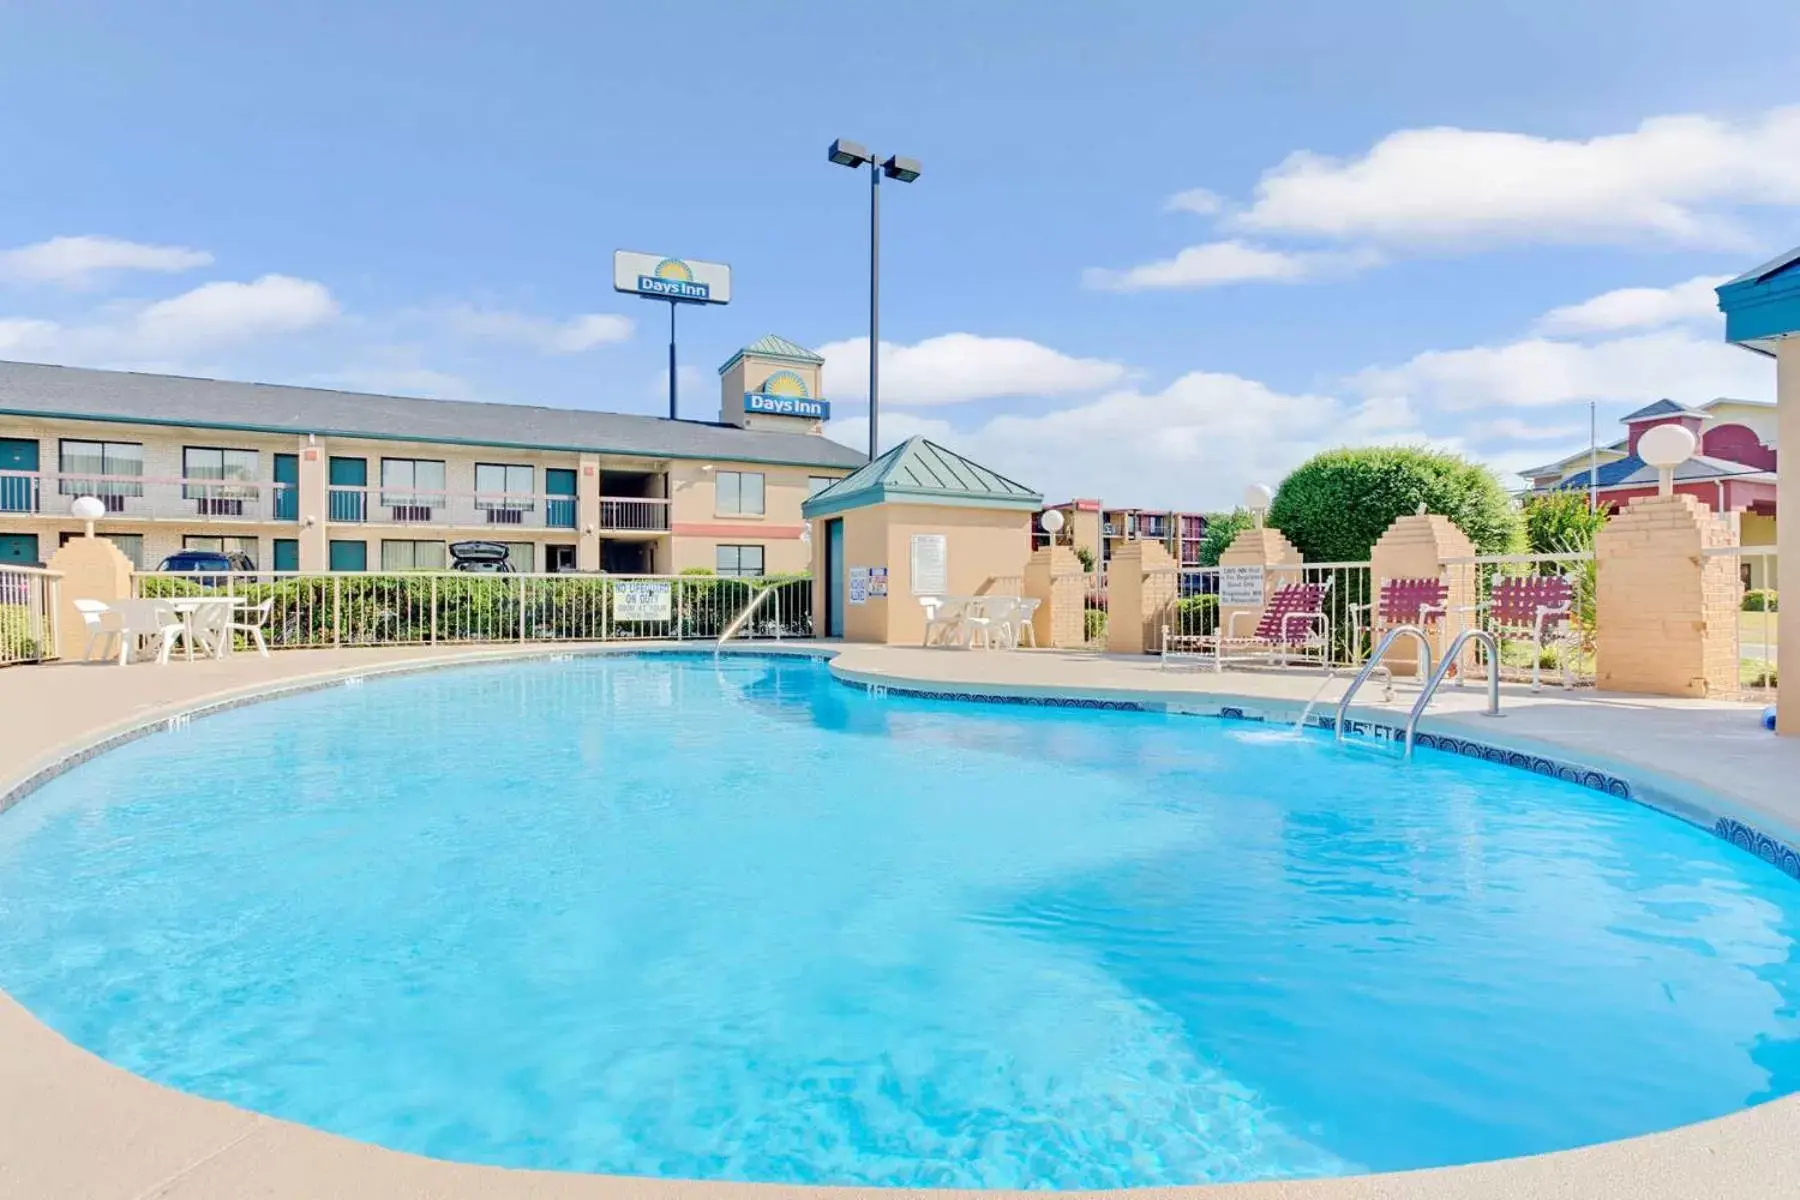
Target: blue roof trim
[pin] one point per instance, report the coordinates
(1632, 471)
(1763, 304)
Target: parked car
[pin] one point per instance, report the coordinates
(480, 558)
(199, 565)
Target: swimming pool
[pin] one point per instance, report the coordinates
(648, 915)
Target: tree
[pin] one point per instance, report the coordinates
(1560, 523)
(1221, 530)
(1336, 505)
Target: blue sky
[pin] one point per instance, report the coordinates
(1394, 214)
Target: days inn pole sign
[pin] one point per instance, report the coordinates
(675, 280)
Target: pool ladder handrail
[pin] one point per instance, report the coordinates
(1492, 644)
(1375, 664)
(739, 621)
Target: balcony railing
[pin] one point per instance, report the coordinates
(149, 498)
(499, 511)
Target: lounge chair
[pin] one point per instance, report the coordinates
(1293, 624)
(1535, 608)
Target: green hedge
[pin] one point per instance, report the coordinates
(1760, 600)
(16, 640)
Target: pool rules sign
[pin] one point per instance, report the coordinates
(1241, 586)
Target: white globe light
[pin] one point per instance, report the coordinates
(1666, 446)
(88, 508)
(1052, 521)
(1257, 497)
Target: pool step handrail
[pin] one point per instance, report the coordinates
(738, 621)
(1492, 644)
(1374, 664)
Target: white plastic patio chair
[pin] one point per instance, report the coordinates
(102, 626)
(255, 621)
(941, 618)
(153, 620)
(1022, 626)
(982, 621)
(211, 627)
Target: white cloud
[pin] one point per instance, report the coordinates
(213, 315)
(958, 367)
(1639, 308)
(75, 261)
(571, 336)
(1674, 178)
(1539, 372)
(1197, 200)
(1194, 444)
(1217, 263)
(1513, 429)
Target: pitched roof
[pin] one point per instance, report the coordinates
(1659, 408)
(770, 345)
(922, 471)
(1568, 460)
(33, 389)
(1632, 471)
(1777, 264)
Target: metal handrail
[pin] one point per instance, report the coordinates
(1369, 668)
(1493, 679)
(737, 622)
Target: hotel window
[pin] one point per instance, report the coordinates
(739, 560)
(740, 494)
(521, 556)
(212, 477)
(503, 492)
(413, 556)
(818, 483)
(245, 546)
(81, 462)
(418, 484)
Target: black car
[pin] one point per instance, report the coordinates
(480, 558)
(199, 565)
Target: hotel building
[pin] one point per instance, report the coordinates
(1089, 524)
(306, 479)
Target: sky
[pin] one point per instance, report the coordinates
(1158, 251)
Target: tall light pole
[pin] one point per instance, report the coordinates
(850, 154)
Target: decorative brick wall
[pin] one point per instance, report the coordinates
(92, 569)
(1053, 577)
(1141, 582)
(1666, 615)
(1261, 547)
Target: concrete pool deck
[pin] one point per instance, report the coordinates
(73, 1126)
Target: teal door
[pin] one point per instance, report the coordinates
(16, 491)
(834, 578)
(18, 548)
(287, 487)
(348, 506)
(287, 554)
(559, 514)
(349, 556)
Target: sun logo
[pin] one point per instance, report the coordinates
(785, 383)
(675, 270)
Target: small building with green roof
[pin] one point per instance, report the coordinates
(918, 521)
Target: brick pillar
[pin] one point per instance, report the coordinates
(1787, 562)
(1665, 615)
(587, 514)
(92, 569)
(1415, 547)
(1053, 577)
(1141, 583)
(312, 503)
(1258, 547)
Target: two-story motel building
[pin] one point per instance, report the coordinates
(306, 479)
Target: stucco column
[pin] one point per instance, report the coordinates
(92, 569)
(313, 504)
(1665, 614)
(1787, 562)
(1054, 578)
(1141, 583)
(1415, 547)
(587, 514)
(1258, 546)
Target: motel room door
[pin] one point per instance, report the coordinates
(17, 454)
(834, 578)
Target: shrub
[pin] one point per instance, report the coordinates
(1086, 558)
(1560, 523)
(1095, 624)
(1760, 600)
(1196, 615)
(16, 640)
(1221, 530)
(1337, 504)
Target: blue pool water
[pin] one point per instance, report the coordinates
(656, 916)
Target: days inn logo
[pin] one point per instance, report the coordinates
(674, 280)
(784, 394)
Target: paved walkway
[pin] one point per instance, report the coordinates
(73, 1127)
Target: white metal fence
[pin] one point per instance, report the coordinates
(331, 609)
(29, 598)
